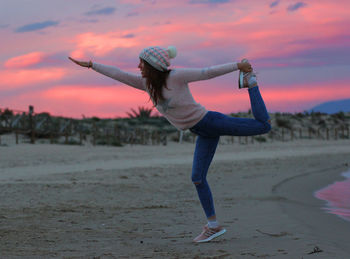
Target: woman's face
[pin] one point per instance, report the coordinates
(142, 68)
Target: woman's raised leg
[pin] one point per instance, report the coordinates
(218, 124)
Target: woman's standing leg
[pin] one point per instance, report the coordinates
(203, 155)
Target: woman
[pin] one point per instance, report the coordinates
(170, 94)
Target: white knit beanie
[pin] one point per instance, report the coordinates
(158, 57)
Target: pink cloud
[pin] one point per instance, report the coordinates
(25, 60)
(96, 95)
(10, 79)
(101, 44)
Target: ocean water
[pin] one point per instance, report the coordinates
(337, 196)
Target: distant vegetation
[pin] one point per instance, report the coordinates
(140, 125)
(142, 112)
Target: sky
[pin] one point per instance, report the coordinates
(300, 50)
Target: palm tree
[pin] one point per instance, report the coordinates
(143, 112)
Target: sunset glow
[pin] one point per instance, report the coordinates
(24, 60)
(300, 50)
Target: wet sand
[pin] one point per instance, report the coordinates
(139, 202)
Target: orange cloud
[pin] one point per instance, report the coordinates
(24, 60)
(101, 44)
(96, 95)
(10, 79)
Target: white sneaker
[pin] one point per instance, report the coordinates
(250, 80)
(241, 75)
(246, 80)
(209, 234)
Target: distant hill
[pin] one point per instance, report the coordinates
(333, 106)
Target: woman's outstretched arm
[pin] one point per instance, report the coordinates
(197, 74)
(113, 72)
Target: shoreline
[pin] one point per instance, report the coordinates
(301, 204)
(82, 202)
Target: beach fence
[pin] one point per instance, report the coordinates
(321, 133)
(31, 127)
(36, 127)
(332, 132)
(279, 134)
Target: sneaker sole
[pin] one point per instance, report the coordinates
(212, 236)
(240, 82)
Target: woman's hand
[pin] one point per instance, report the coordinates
(81, 63)
(245, 67)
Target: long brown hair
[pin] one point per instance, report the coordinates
(155, 81)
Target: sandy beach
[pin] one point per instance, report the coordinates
(139, 202)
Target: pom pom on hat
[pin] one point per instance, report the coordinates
(172, 51)
(158, 57)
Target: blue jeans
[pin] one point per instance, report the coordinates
(209, 130)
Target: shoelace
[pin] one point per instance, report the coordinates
(209, 232)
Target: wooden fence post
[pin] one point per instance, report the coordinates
(336, 133)
(153, 138)
(51, 138)
(16, 137)
(94, 134)
(33, 137)
(300, 133)
(327, 133)
(181, 134)
(158, 138)
(146, 136)
(108, 137)
(117, 133)
(142, 134)
(282, 134)
(164, 139)
(31, 124)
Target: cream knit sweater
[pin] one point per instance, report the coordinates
(179, 107)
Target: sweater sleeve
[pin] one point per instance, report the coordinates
(120, 75)
(196, 74)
